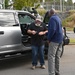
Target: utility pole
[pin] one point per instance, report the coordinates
(43, 1)
(54, 4)
(4, 4)
(61, 5)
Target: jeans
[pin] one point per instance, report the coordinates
(54, 53)
(37, 50)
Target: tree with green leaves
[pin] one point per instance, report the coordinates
(19, 4)
(6, 4)
(69, 2)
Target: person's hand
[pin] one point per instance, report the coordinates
(34, 32)
(41, 33)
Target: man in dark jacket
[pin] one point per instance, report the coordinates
(55, 38)
(37, 30)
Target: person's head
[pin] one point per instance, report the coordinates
(38, 20)
(52, 11)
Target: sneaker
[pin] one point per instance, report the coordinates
(43, 66)
(33, 67)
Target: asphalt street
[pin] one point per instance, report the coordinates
(22, 65)
(68, 61)
(70, 34)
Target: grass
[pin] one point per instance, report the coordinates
(69, 20)
(69, 28)
(72, 40)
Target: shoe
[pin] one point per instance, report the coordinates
(57, 74)
(33, 67)
(43, 66)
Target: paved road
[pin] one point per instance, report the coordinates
(22, 66)
(70, 34)
(68, 61)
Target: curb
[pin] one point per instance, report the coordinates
(72, 44)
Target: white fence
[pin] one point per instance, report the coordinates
(48, 6)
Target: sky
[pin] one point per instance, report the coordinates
(73, 1)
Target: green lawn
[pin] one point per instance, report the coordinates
(72, 40)
(69, 29)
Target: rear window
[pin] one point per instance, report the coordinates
(7, 19)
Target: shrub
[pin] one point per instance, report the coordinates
(69, 21)
(41, 11)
